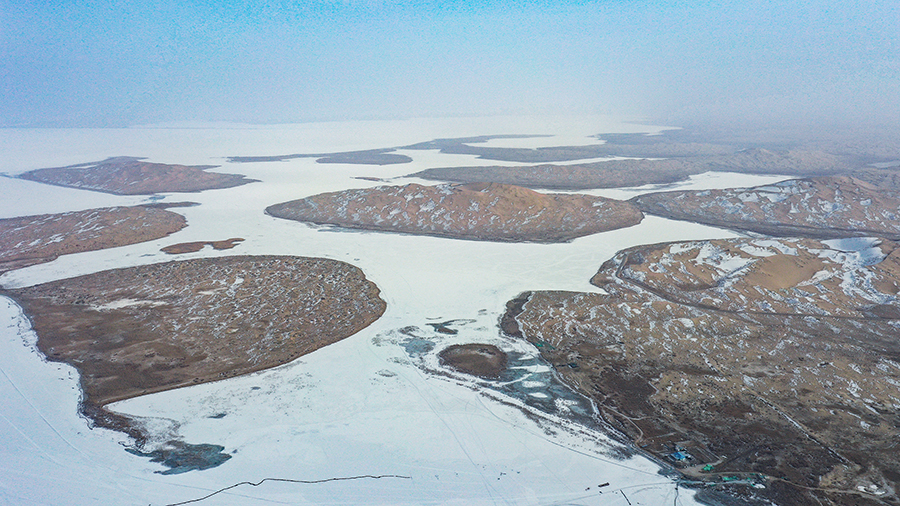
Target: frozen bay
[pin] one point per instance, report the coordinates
(360, 407)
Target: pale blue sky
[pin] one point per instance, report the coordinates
(112, 63)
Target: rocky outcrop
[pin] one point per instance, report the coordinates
(482, 211)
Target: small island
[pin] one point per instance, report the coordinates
(367, 157)
(195, 246)
(126, 175)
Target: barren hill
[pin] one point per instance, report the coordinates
(493, 212)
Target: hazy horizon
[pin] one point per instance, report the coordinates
(129, 63)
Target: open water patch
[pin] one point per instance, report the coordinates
(182, 457)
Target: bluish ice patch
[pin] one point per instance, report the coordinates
(182, 457)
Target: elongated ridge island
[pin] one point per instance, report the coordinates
(479, 211)
(128, 175)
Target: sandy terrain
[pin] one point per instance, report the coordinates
(818, 207)
(776, 357)
(31, 240)
(125, 175)
(491, 212)
(156, 327)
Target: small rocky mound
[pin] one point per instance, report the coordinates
(482, 360)
(482, 211)
(368, 157)
(156, 327)
(32, 240)
(818, 207)
(125, 175)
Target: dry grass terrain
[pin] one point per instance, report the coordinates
(31, 240)
(491, 212)
(777, 357)
(482, 360)
(125, 175)
(156, 327)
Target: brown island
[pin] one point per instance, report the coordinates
(195, 246)
(743, 362)
(481, 211)
(31, 240)
(138, 330)
(477, 359)
(126, 175)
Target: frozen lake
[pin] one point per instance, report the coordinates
(361, 408)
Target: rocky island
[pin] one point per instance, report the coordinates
(751, 361)
(126, 175)
(481, 211)
(31, 240)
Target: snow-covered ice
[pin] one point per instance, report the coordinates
(358, 407)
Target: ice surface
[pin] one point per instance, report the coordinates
(358, 407)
